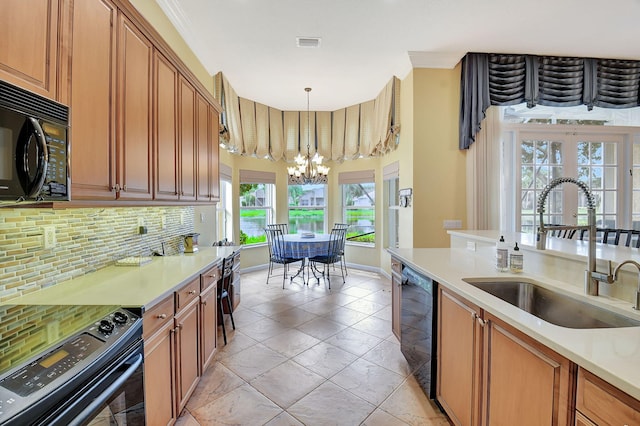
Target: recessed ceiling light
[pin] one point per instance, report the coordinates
(312, 42)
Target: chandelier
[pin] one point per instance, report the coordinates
(308, 170)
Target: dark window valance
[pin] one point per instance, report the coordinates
(504, 79)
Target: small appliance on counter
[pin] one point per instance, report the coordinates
(191, 243)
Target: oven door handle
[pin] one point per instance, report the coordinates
(104, 396)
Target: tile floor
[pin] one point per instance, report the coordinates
(310, 356)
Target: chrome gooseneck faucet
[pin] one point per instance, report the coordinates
(592, 277)
(636, 305)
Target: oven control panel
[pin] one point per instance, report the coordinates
(50, 369)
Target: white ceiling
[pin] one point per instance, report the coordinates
(366, 42)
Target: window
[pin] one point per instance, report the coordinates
(307, 208)
(358, 201)
(391, 187)
(257, 195)
(224, 209)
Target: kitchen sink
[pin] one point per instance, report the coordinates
(551, 306)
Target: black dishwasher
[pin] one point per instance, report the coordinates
(418, 327)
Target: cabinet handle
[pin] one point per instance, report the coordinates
(115, 188)
(161, 316)
(204, 303)
(481, 321)
(192, 292)
(178, 327)
(124, 188)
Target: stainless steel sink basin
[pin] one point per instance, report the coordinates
(551, 306)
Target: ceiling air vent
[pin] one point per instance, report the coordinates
(312, 42)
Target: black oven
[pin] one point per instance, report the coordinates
(94, 376)
(34, 148)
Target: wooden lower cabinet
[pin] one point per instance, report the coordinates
(525, 383)
(187, 366)
(459, 353)
(492, 374)
(208, 325)
(600, 403)
(159, 376)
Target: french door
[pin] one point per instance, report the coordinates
(595, 159)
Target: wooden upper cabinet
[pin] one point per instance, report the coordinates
(187, 140)
(165, 129)
(204, 149)
(29, 52)
(134, 143)
(92, 120)
(214, 155)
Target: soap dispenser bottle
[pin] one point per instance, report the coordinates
(502, 255)
(516, 260)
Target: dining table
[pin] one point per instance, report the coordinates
(305, 246)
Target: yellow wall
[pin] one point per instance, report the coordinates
(438, 165)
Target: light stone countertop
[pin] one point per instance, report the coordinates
(612, 354)
(128, 286)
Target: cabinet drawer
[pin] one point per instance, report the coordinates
(209, 277)
(603, 403)
(157, 316)
(187, 293)
(396, 266)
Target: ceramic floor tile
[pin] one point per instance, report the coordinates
(345, 316)
(284, 419)
(263, 329)
(185, 419)
(244, 316)
(411, 405)
(340, 298)
(365, 306)
(354, 341)
(384, 313)
(217, 381)
(357, 291)
(294, 317)
(242, 406)
(382, 418)
(321, 327)
(375, 326)
(238, 343)
(329, 404)
(381, 296)
(291, 342)
(254, 361)
(287, 383)
(367, 380)
(319, 306)
(273, 307)
(388, 355)
(325, 359)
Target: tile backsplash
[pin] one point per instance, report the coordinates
(86, 239)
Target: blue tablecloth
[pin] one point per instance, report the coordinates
(297, 246)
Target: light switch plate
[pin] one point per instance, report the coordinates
(49, 236)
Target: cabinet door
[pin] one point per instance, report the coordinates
(159, 374)
(29, 48)
(165, 129)
(208, 326)
(459, 346)
(188, 370)
(134, 148)
(525, 382)
(204, 150)
(92, 100)
(187, 141)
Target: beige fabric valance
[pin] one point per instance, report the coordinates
(363, 130)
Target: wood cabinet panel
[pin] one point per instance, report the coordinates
(188, 370)
(208, 326)
(134, 144)
(210, 277)
(92, 130)
(526, 383)
(204, 150)
(165, 129)
(159, 376)
(187, 293)
(214, 154)
(29, 52)
(459, 340)
(187, 143)
(603, 403)
(157, 316)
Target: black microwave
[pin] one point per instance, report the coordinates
(34, 148)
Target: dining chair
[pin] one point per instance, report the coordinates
(224, 293)
(333, 255)
(277, 252)
(343, 262)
